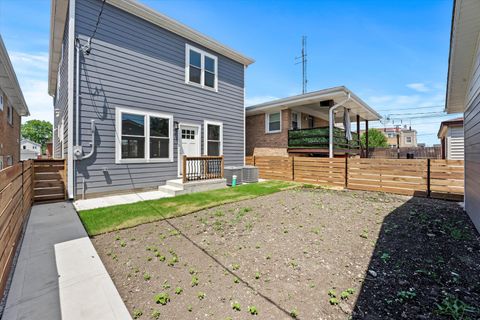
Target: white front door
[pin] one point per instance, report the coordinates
(188, 142)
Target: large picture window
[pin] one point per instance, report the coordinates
(200, 68)
(213, 143)
(143, 136)
(273, 122)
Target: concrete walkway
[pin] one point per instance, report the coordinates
(109, 201)
(58, 273)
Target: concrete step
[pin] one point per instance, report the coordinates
(178, 183)
(171, 190)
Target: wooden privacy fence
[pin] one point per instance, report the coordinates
(419, 177)
(16, 197)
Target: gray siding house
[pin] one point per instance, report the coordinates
(463, 94)
(135, 90)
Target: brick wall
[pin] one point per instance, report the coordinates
(258, 142)
(9, 135)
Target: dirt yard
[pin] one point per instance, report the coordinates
(306, 254)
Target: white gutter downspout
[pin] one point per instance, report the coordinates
(331, 122)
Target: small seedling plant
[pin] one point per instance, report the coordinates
(162, 298)
(236, 306)
(252, 310)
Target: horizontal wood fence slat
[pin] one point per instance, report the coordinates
(15, 202)
(49, 180)
(418, 177)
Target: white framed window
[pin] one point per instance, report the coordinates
(273, 122)
(1, 100)
(143, 136)
(296, 121)
(10, 114)
(201, 68)
(213, 138)
(408, 140)
(1, 162)
(9, 161)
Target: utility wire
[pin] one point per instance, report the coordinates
(98, 20)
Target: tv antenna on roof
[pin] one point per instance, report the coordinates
(303, 61)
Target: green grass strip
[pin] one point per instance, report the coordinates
(101, 220)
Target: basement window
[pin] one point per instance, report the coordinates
(200, 68)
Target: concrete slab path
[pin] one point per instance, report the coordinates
(59, 274)
(114, 200)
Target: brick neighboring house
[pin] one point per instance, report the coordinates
(12, 108)
(300, 125)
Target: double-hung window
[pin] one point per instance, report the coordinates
(295, 120)
(273, 122)
(10, 114)
(213, 143)
(143, 136)
(1, 100)
(200, 68)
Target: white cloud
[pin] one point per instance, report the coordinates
(418, 86)
(251, 101)
(32, 73)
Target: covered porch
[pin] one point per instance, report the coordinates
(321, 122)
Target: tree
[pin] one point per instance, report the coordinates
(375, 139)
(38, 131)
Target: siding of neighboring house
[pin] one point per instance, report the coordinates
(454, 143)
(472, 145)
(9, 135)
(138, 65)
(260, 143)
(61, 103)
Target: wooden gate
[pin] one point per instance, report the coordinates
(49, 180)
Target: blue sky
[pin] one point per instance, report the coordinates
(393, 54)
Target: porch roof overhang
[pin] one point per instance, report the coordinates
(9, 83)
(464, 40)
(310, 103)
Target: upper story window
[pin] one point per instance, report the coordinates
(408, 139)
(296, 120)
(143, 136)
(200, 68)
(1, 100)
(273, 122)
(10, 114)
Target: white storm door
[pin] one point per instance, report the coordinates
(189, 143)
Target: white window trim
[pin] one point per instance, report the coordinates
(267, 121)
(299, 120)
(1, 100)
(203, 54)
(147, 114)
(10, 114)
(408, 142)
(205, 135)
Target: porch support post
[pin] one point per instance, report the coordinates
(331, 122)
(366, 139)
(358, 135)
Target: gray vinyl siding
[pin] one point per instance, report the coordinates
(472, 161)
(61, 101)
(472, 147)
(138, 65)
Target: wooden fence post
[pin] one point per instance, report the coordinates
(428, 178)
(293, 168)
(346, 172)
